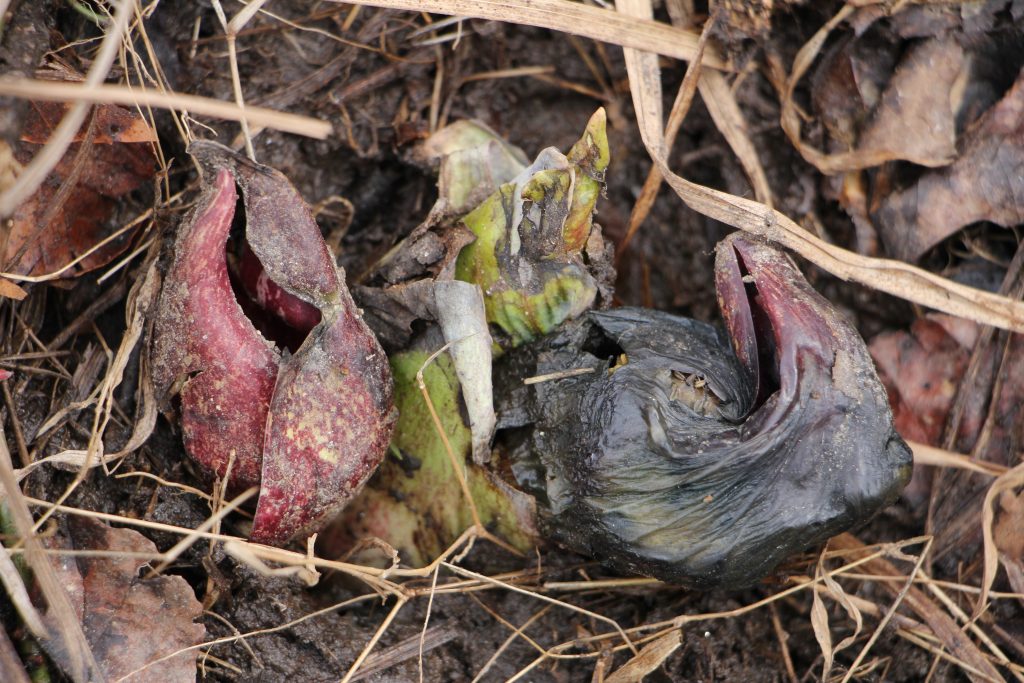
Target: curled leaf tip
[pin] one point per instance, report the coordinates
(590, 152)
(530, 236)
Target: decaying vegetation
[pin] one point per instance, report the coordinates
(881, 143)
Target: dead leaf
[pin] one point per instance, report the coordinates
(925, 370)
(848, 83)
(829, 164)
(1003, 485)
(915, 120)
(406, 293)
(976, 187)
(129, 621)
(648, 659)
(819, 617)
(921, 369)
(430, 250)
(11, 291)
(1009, 529)
(916, 117)
(819, 623)
(945, 394)
(71, 212)
(113, 124)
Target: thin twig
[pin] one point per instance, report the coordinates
(56, 91)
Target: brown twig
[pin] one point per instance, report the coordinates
(19, 434)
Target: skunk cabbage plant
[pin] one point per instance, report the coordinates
(307, 427)
(706, 457)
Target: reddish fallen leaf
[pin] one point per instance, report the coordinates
(128, 620)
(74, 209)
(932, 383)
(921, 370)
(308, 427)
(113, 124)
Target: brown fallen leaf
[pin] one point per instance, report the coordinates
(10, 290)
(916, 118)
(1003, 490)
(72, 212)
(129, 621)
(648, 659)
(937, 89)
(889, 276)
(978, 186)
(848, 82)
(887, 111)
(113, 124)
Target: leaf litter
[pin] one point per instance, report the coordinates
(118, 604)
(108, 160)
(577, 590)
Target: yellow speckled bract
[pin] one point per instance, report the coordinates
(307, 427)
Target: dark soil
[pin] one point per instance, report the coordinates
(380, 104)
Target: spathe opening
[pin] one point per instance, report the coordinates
(280, 317)
(764, 336)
